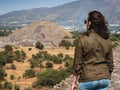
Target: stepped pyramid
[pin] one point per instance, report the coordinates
(46, 32)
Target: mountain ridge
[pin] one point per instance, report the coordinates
(76, 11)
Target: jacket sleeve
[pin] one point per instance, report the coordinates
(77, 63)
(109, 59)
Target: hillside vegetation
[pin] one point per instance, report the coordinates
(25, 72)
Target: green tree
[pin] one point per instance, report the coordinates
(8, 85)
(12, 77)
(50, 77)
(2, 59)
(27, 88)
(29, 73)
(2, 74)
(23, 54)
(17, 55)
(75, 34)
(1, 86)
(8, 48)
(49, 64)
(13, 66)
(39, 45)
(34, 63)
(9, 56)
(16, 87)
(65, 43)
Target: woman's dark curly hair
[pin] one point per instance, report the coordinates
(98, 24)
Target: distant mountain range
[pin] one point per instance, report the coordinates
(69, 13)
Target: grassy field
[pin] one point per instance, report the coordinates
(22, 66)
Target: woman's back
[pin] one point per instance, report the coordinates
(95, 50)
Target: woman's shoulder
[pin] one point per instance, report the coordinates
(83, 35)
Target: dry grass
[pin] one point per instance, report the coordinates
(22, 66)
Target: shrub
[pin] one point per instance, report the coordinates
(12, 77)
(115, 37)
(30, 73)
(34, 63)
(39, 45)
(29, 49)
(1, 86)
(8, 85)
(115, 44)
(67, 58)
(23, 54)
(49, 65)
(65, 43)
(2, 74)
(60, 55)
(16, 87)
(75, 34)
(17, 55)
(27, 88)
(50, 77)
(9, 56)
(2, 59)
(8, 48)
(13, 66)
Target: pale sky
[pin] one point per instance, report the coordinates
(12, 5)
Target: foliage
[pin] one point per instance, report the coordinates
(5, 33)
(23, 54)
(29, 73)
(12, 77)
(29, 49)
(115, 44)
(39, 45)
(16, 87)
(50, 77)
(9, 53)
(75, 34)
(2, 59)
(2, 74)
(49, 64)
(67, 57)
(8, 85)
(115, 37)
(27, 88)
(1, 86)
(9, 56)
(19, 55)
(8, 48)
(34, 63)
(13, 66)
(65, 43)
(60, 55)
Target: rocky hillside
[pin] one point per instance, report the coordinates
(70, 12)
(115, 81)
(46, 32)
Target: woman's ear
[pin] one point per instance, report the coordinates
(88, 24)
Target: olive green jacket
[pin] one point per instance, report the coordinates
(93, 58)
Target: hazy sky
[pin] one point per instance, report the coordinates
(11, 5)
